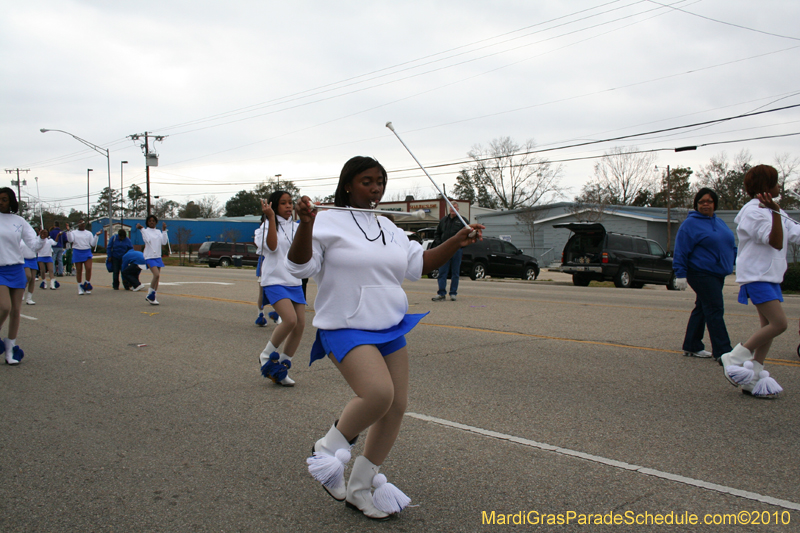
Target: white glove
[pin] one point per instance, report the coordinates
(681, 284)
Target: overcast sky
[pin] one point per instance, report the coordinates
(245, 90)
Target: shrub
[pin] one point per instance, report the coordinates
(791, 279)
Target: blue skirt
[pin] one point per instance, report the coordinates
(157, 262)
(31, 263)
(81, 256)
(339, 342)
(276, 293)
(44, 259)
(760, 292)
(13, 276)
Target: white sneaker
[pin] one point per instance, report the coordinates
(287, 382)
(30, 301)
(151, 297)
(703, 354)
(81, 292)
(137, 289)
(53, 284)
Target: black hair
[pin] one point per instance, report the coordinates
(350, 170)
(122, 233)
(148, 219)
(275, 200)
(13, 204)
(702, 192)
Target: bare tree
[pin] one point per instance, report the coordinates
(727, 179)
(208, 207)
(182, 236)
(621, 175)
(232, 235)
(513, 174)
(787, 167)
(587, 211)
(526, 220)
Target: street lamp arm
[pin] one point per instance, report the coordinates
(94, 147)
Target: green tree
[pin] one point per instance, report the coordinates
(137, 202)
(243, 203)
(165, 209)
(727, 179)
(189, 210)
(680, 189)
(100, 209)
(265, 188)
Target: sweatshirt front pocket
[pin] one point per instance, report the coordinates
(379, 307)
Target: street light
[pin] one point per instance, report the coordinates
(87, 192)
(121, 195)
(99, 150)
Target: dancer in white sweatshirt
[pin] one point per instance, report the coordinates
(281, 289)
(13, 228)
(82, 243)
(153, 241)
(31, 267)
(764, 232)
(359, 261)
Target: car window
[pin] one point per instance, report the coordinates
(621, 243)
(496, 247)
(219, 246)
(509, 248)
(239, 249)
(251, 249)
(641, 246)
(656, 249)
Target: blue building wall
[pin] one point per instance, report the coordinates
(202, 230)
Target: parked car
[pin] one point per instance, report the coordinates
(499, 259)
(592, 253)
(221, 253)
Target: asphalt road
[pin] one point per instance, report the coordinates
(526, 398)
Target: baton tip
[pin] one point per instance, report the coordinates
(389, 125)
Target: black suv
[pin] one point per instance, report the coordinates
(592, 253)
(221, 253)
(499, 259)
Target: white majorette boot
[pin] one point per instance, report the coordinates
(732, 365)
(328, 458)
(387, 499)
(762, 385)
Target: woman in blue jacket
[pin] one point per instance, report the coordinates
(705, 250)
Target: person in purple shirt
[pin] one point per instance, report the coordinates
(58, 249)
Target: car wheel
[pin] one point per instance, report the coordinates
(671, 286)
(224, 262)
(433, 274)
(580, 281)
(624, 278)
(531, 273)
(478, 271)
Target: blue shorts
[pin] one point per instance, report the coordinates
(258, 267)
(13, 276)
(276, 293)
(32, 264)
(81, 256)
(44, 259)
(157, 262)
(340, 342)
(760, 292)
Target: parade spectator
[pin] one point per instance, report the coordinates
(132, 265)
(118, 246)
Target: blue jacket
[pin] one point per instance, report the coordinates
(117, 247)
(132, 256)
(704, 244)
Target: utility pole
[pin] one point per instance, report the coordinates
(18, 182)
(151, 159)
(669, 222)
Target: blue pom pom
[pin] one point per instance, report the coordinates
(57, 284)
(261, 321)
(89, 286)
(287, 363)
(42, 285)
(274, 370)
(274, 316)
(17, 354)
(274, 356)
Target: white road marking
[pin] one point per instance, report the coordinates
(611, 462)
(194, 283)
(28, 317)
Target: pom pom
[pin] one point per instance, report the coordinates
(89, 286)
(274, 316)
(741, 374)
(17, 354)
(387, 497)
(58, 285)
(261, 321)
(287, 363)
(329, 469)
(274, 356)
(274, 370)
(766, 386)
(42, 285)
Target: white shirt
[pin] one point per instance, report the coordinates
(153, 240)
(273, 269)
(260, 237)
(756, 260)
(14, 228)
(27, 253)
(82, 239)
(47, 248)
(359, 281)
